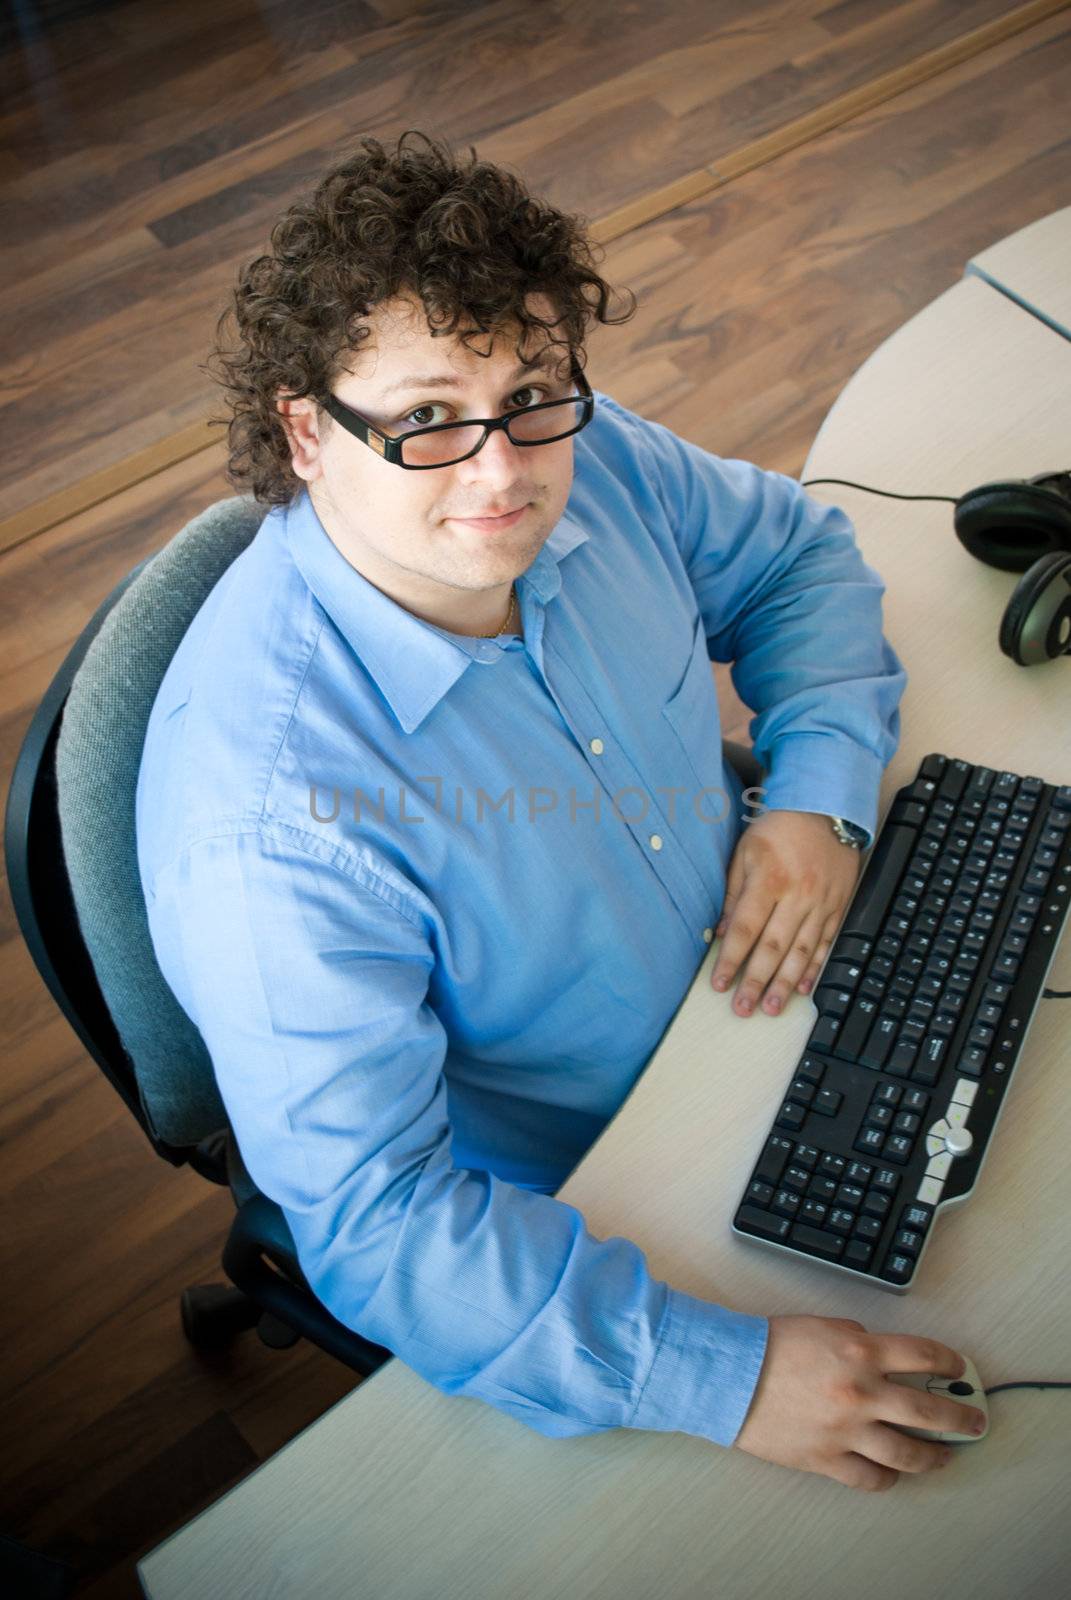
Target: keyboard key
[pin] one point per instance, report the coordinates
(763, 1223)
(827, 1102)
(880, 1041)
(773, 1159)
(888, 858)
(824, 1033)
(791, 1116)
(898, 1268)
(857, 1024)
(817, 1242)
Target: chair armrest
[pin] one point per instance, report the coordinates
(259, 1234)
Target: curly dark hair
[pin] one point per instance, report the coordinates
(464, 235)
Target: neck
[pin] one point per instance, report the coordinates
(480, 615)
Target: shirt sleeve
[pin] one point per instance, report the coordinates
(309, 980)
(787, 598)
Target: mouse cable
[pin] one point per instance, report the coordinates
(996, 1389)
(950, 500)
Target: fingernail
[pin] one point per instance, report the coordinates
(745, 1007)
(721, 983)
(773, 1003)
(805, 985)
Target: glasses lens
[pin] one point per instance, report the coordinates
(551, 422)
(440, 448)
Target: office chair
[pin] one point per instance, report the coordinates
(71, 854)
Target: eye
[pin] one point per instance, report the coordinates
(421, 416)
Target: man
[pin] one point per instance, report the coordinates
(435, 828)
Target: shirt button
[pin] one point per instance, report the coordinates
(708, 934)
(656, 841)
(596, 747)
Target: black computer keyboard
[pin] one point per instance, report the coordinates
(923, 1006)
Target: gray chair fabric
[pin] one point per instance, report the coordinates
(98, 755)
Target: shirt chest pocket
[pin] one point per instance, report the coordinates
(692, 713)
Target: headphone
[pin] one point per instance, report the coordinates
(1020, 525)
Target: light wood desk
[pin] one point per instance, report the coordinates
(1033, 266)
(402, 1493)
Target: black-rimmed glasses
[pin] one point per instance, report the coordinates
(445, 443)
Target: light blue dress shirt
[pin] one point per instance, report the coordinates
(432, 901)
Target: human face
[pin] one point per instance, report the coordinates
(407, 532)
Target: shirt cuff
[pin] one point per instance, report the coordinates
(833, 777)
(705, 1370)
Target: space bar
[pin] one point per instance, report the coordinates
(876, 888)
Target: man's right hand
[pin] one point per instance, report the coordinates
(823, 1402)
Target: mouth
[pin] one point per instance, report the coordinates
(492, 524)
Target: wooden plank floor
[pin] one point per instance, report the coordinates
(757, 302)
(157, 151)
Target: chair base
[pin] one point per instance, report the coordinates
(214, 1314)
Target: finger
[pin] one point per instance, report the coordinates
(858, 1472)
(938, 1413)
(746, 923)
(734, 885)
(810, 977)
(795, 963)
(906, 1352)
(774, 943)
(901, 1451)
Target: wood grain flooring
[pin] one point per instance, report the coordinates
(145, 152)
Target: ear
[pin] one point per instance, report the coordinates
(302, 434)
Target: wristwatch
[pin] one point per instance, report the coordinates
(850, 833)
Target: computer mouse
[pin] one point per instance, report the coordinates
(968, 1390)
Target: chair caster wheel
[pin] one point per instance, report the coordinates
(275, 1334)
(214, 1314)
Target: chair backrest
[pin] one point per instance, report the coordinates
(76, 885)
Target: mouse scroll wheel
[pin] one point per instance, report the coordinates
(959, 1387)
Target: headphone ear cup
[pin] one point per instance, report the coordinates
(1012, 524)
(1036, 625)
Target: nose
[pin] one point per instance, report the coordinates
(497, 463)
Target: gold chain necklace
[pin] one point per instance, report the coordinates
(509, 613)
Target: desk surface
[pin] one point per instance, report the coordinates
(402, 1491)
(1033, 266)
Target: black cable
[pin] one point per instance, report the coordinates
(998, 1387)
(947, 498)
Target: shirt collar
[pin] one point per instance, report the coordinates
(413, 664)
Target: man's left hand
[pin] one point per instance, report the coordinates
(790, 881)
